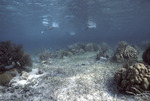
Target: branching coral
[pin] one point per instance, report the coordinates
(13, 56)
(104, 48)
(63, 53)
(91, 47)
(81, 48)
(45, 55)
(125, 53)
(146, 56)
(102, 52)
(134, 79)
(76, 49)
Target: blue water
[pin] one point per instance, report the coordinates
(58, 23)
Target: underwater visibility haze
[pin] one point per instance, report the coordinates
(77, 50)
(58, 23)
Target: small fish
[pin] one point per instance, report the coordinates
(51, 27)
(46, 29)
(91, 24)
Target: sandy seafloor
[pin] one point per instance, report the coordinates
(75, 78)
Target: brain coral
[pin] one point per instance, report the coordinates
(134, 79)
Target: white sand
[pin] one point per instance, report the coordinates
(76, 78)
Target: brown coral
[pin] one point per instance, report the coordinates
(125, 53)
(102, 52)
(5, 78)
(45, 55)
(12, 55)
(90, 47)
(63, 53)
(77, 48)
(146, 56)
(134, 79)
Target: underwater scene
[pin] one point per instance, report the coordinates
(74, 50)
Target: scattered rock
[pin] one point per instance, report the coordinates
(40, 71)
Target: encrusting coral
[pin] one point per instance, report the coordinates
(125, 53)
(13, 56)
(146, 56)
(134, 79)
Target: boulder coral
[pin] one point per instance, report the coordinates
(146, 56)
(125, 52)
(5, 78)
(133, 79)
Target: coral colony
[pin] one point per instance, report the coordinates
(81, 66)
(12, 58)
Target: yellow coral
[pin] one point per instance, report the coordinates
(5, 78)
